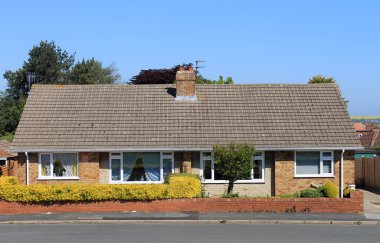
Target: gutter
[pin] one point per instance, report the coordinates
(159, 149)
(27, 168)
(341, 173)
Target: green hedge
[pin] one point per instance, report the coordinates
(177, 186)
(311, 193)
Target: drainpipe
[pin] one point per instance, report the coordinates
(27, 168)
(341, 174)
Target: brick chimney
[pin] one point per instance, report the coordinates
(185, 84)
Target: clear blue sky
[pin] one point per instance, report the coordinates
(252, 41)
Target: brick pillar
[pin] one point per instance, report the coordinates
(284, 173)
(186, 162)
(4, 170)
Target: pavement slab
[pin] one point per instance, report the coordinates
(186, 216)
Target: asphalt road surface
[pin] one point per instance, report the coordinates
(188, 233)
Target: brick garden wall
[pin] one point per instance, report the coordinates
(301, 205)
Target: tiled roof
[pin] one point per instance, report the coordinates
(366, 139)
(358, 126)
(370, 139)
(111, 117)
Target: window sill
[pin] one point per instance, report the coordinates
(57, 178)
(236, 182)
(314, 176)
(136, 182)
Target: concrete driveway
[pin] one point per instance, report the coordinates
(371, 203)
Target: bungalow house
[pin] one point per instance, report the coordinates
(5, 157)
(140, 133)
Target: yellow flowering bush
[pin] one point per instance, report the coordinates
(8, 180)
(183, 186)
(331, 190)
(177, 186)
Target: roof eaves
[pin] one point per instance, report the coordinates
(177, 149)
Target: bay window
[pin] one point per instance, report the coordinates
(209, 171)
(314, 164)
(58, 166)
(149, 167)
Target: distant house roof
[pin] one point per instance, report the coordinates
(120, 117)
(5, 149)
(370, 139)
(358, 126)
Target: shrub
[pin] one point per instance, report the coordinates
(322, 190)
(295, 195)
(184, 186)
(8, 180)
(311, 193)
(230, 195)
(178, 186)
(331, 190)
(347, 192)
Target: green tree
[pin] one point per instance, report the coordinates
(92, 72)
(48, 61)
(319, 79)
(10, 113)
(202, 80)
(233, 162)
(51, 65)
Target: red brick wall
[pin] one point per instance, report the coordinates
(19, 168)
(320, 205)
(286, 183)
(88, 167)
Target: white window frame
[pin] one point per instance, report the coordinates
(121, 157)
(202, 158)
(321, 158)
(212, 180)
(51, 177)
(162, 157)
(115, 156)
(6, 161)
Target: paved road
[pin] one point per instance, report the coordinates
(188, 233)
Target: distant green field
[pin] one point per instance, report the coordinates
(365, 117)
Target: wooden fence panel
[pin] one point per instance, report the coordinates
(377, 172)
(359, 171)
(367, 172)
(370, 177)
